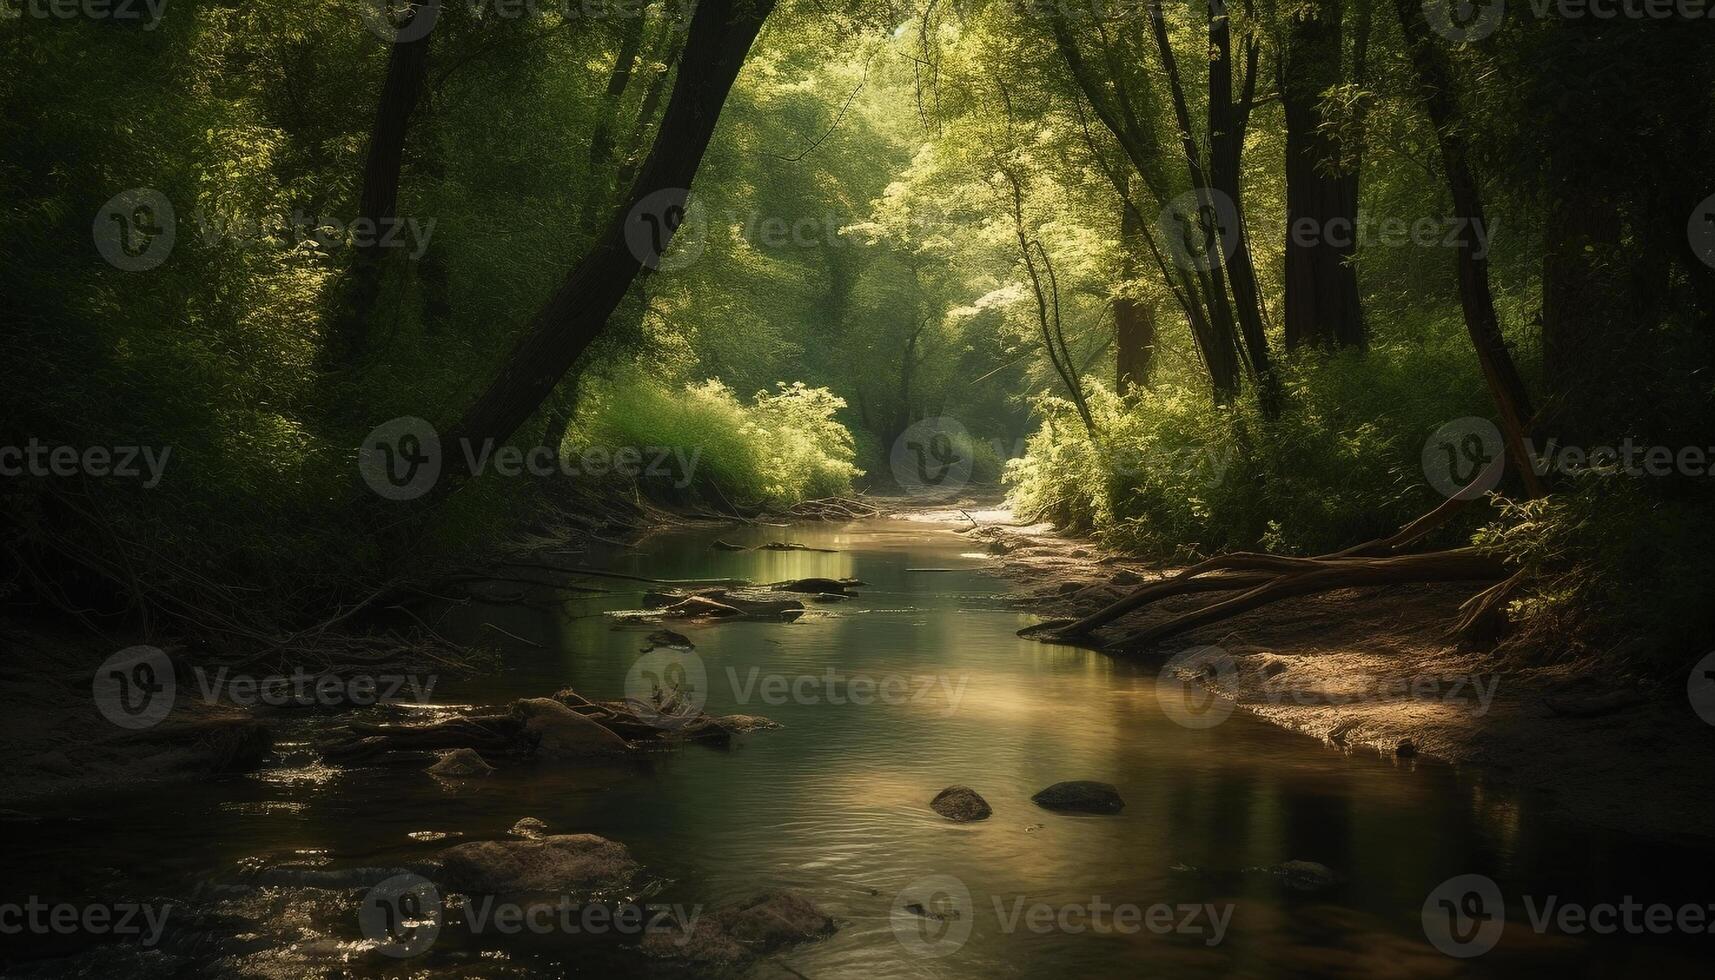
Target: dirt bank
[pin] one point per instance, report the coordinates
(1364, 670)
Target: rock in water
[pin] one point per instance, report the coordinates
(567, 864)
(726, 936)
(1405, 749)
(668, 638)
(961, 804)
(561, 733)
(529, 828)
(1080, 796)
(460, 762)
(1304, 876)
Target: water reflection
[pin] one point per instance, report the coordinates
(835, 803)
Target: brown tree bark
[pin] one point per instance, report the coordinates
(378, 200)
(720, 36)
(1322, 308)
(1434, 79)
(1134, 320)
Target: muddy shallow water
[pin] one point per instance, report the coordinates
(917, 684)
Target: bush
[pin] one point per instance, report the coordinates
(1169, 474)
(783, 447)
(1613, 571)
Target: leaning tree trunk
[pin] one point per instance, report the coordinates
(1434, 79)
(720, 36)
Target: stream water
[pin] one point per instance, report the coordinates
(930, 687)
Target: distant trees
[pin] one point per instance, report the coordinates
(1322, 165)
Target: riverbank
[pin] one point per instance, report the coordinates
(1373, 670)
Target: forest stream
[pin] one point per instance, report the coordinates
(1242, 849)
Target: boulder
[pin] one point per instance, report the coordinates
(1080, 796)
(960, 804)
(460, 763)
(561, 733)
(565, 864)
(764, 924)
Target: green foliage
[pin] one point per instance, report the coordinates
(782, 447)
(1613, 570)
(1172, 475)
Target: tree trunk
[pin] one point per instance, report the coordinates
(1134, 319)
(720, 36)
(378, 201)
(1227, 122)
(1321, 188)
(1435, 90)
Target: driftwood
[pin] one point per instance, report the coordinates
(1262, 578)
(834, 509)
(762, 604)
(501, 737)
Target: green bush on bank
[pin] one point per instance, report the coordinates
(1169, 474)
(782, 447)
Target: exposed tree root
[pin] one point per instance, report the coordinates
(1262, 578)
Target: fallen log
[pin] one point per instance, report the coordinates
(1456, 565)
